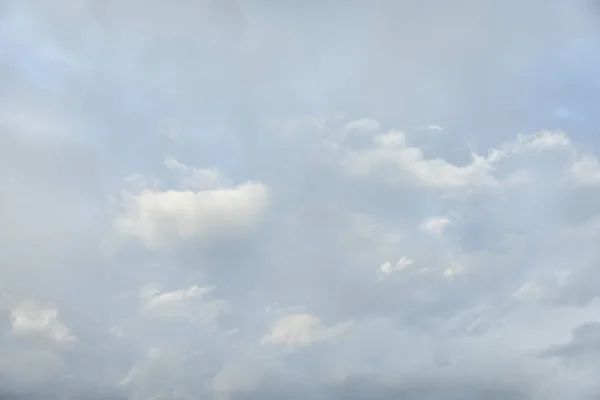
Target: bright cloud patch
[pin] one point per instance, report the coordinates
(30, 318)
(392, 160)
(388, 157)
(542, 141)
(435, 225)
(389, 268)
(187, 304)
(586, 170)
(302, 330)
(161, 218)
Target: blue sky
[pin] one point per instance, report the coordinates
(312, 200)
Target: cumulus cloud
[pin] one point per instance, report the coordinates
(391, 159)
(388, 157)
(253, 200)
(160, 218)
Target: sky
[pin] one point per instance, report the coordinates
(244, 200)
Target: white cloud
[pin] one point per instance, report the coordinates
(435, 225)
(31, 318)
(361, 150)
(387, 268)
(541, 141)
(187, 304)
(162, 218)
(302, 330)
(586, 170)
(158, 218)
(436, 128)
(392, 160)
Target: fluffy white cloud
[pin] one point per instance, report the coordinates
(387, 268)
(390, 159)
(162, 218)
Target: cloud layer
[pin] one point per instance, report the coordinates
(255, 200)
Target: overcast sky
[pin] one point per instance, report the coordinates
(299, 199)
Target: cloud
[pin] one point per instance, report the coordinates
(586, 170)
(363, 125)
(160, 218)
(253, 200)
(302, 330)
(542, 141)
(391, 159)
(387, 268)
(186, 304)
(435, 225)
(30, 318)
